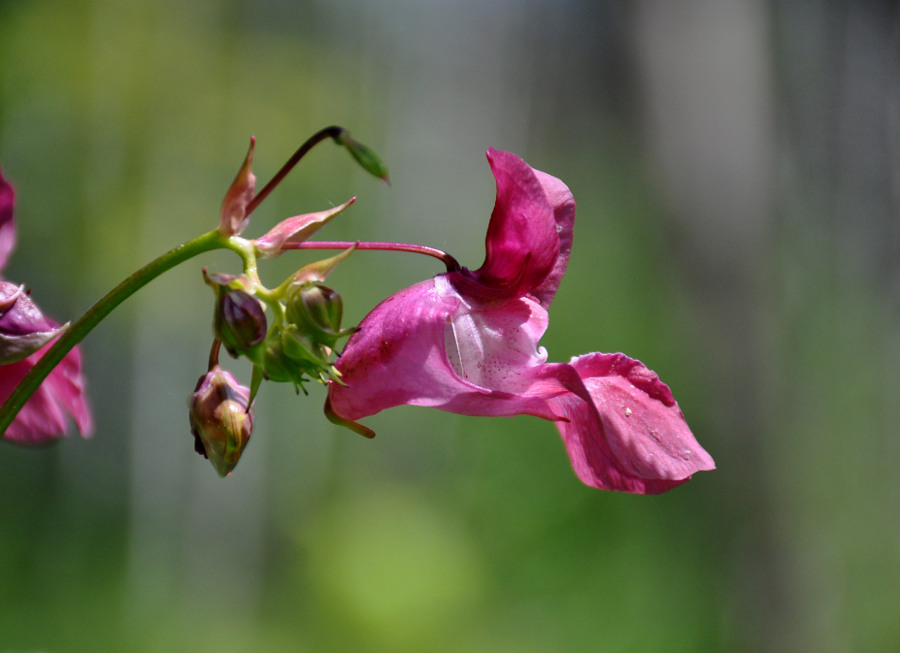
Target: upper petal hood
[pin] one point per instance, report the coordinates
(529, 236)
(563, 204)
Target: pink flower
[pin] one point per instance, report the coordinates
(24, 333)
(467, 342)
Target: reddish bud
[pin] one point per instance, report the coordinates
(221, 419)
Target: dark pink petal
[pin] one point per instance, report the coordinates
(397, 355)
(7, 226)
(522, 244)
(632, 437)
(45, 415)
(563, 204)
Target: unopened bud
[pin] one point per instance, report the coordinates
(221, 419)
(290, 354)
(365, 156)
(240, 322)
(316, 309)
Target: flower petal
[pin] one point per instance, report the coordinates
(563, 204)
(44, 416)
(522, 244)
(632, 437)
(423, 347)
(397, 355)
(7, 226)
(23, 328)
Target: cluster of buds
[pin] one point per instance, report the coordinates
(289, 333)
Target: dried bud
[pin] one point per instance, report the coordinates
(221, 419)
(234, 216)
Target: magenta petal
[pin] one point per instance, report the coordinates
(7, 226)
(424, 347)
(563, 204)
(633, 437)
(45, 414)
(522, 243)
(397, 356)
(23, 328)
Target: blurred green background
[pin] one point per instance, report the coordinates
(737, 172)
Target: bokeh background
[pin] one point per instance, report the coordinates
(737, 171)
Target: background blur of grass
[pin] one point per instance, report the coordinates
(737, 172)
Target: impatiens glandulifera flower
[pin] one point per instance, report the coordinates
(467, 342)
(25, 332)
(221, 419)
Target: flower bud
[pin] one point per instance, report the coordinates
(316, 309)
(364, 156)
(221, 419)
(290, 354)
(239, 322)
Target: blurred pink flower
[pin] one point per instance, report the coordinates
(467, 342)
(24, 333)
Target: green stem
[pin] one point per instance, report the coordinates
(76, 331)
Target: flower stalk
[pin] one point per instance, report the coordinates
(76, 331)
(445, 258)
(363, 155)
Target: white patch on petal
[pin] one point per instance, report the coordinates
(491, 346)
